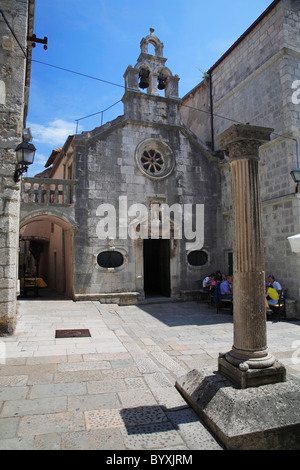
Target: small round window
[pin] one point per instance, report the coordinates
(197, 258)
(154, 159)
(110, 259)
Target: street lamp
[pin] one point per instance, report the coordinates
(25, 155)
(295, 174)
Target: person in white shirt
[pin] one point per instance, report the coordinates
(274, 284)
(208, 282)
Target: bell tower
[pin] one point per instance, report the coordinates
(150, 87)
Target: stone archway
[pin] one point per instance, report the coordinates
(46, 251)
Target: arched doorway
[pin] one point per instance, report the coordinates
(46, 256)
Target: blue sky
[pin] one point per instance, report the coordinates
(100, 38)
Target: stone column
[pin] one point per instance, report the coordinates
(249, 362)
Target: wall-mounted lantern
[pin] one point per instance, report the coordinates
(25, 155)
(295, 174)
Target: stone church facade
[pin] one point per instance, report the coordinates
(146, 197)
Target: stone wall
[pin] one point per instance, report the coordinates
(12, 105)
(254, 84)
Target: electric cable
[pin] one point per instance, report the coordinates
(124, 87)
(78, 73)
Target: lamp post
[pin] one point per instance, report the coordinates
(25, 155)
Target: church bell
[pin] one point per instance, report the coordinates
(144, 78)
(161, 82)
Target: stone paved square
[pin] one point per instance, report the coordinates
(116, 400)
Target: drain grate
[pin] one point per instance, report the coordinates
(72, 333)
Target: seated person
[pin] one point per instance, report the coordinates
(226, 288)
(206, 283)
(274, 284)
(212, 280)
(272, 295)
(219, 277)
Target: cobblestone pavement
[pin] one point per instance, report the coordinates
(115, 389)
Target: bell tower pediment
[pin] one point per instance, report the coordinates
(150, 72)
(152, 39)
(151, 90)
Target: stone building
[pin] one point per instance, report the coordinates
(16, 23)
(257, 81)
(146, 197)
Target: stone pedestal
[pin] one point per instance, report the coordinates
(255, 418)
(241, 143)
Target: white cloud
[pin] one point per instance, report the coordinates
(54, 133)
(40, 159)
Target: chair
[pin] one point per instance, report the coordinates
(29, 284)
(210, 298)
(203, 293)
(279, 308)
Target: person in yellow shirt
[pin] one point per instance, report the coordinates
(272, 295)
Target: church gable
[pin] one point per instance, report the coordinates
(140, 177)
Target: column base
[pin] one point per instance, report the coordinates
(250, 359)
(244, 377)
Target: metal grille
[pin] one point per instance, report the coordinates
(72, 333)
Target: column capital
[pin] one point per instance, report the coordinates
(243, 140)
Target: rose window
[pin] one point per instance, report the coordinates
(152, 162)
(154, 159)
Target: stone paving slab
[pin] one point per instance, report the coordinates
(134, 416)
(99, 401)
(39, 406)
(100, 439)
(51, 422)
(57, 390)
(116, 389)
